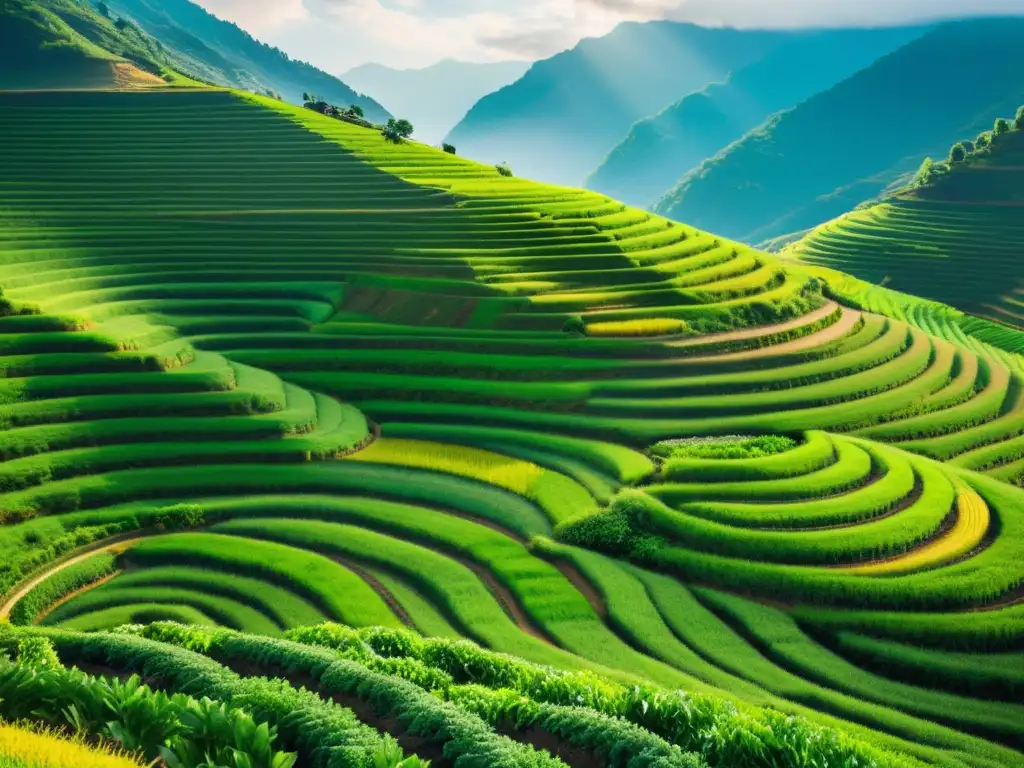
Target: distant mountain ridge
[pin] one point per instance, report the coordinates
(661, 149)
(200, 44)
(848, 144)
(562, 117)
(437, 97)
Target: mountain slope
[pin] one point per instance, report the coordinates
(661, 149)
(567, 112)
(848, 144)
(279, 370)
(200, 44)
(62, 44)
(434, 98)
(957, 236)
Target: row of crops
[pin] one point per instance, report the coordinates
(447, 699)
(264, 370)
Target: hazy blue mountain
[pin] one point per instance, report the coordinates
(200, 44)
(847, 144)
(437, 97)
(562, 117)
(661, 149)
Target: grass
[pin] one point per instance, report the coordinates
(22, 748)
(559, 496)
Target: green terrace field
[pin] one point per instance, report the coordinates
(262, 370)
(955, 238)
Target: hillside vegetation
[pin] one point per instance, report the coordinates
(841, 147)
(956, 235)
(660, 150)
(264, 369)
(559, 120)
(200, 44)
(63, 44)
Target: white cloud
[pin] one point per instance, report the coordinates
(256, 16)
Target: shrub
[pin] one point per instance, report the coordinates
(449, 148)
(1018, 121)
(37, 652)
(958, 153)
(984, 140)
(1002, 126)
(503, 169)
(575, 325)
(175, 730)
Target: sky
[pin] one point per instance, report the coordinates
(337, 35)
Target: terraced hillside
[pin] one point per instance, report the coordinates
(955, 237)
(264, 369)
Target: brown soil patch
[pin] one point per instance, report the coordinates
(584, 587)
(376, 585)
(129, 77)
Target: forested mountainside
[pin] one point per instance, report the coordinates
(661, 149)
(199, 44)
(846, 145)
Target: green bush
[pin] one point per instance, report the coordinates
(958, 153)
(575, 325)
(37, 653)
(178, 731)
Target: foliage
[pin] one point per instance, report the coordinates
(181, 731)
(725, 447)
(575, 325)
(397, 130)
(448, 148)
(37, 653)
(503, 169)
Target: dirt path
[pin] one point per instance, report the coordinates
(78, 592)
(109, 546)
(761, 330)
(843, 326)
(375, 584)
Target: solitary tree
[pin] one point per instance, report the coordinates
(396, 130)
(1002, 126)
(958, 153)
(503, 169)
(305, 97)
(449, 148)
